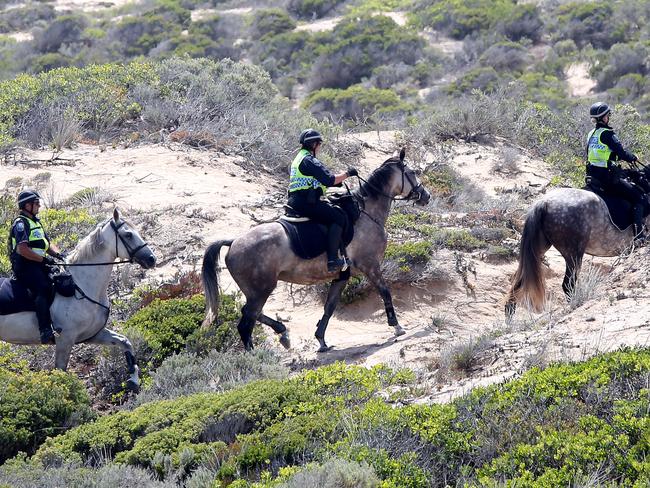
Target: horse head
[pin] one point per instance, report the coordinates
(404, 183)
(129, 244)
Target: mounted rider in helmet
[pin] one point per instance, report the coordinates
(29, 252)
(604, 149)
(309, 178)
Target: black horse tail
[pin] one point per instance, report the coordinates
(210, 277)
(527, 283)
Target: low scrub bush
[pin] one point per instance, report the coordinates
(550, 427)
(356, 102)
(169, 326)
(334, 473)
(188, 373)
(588, 23)
(21, 474)
(355, 48)
(458, 18)
(312, 9)
(36, 404)
(271, 22)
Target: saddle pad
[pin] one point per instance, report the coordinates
(14, 297)
(309, 239)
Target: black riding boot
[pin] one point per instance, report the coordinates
(44, 319)
(637, 215)
(334, 233)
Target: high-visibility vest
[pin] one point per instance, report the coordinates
(598, 154)
(37, 239)
(298, 181)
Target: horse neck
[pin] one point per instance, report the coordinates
(93, 280)
(377, 207)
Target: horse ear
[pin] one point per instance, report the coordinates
(116, 215)
(402, 153)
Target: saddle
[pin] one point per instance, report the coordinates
(308, 239)
(620, 209)
(15, 297)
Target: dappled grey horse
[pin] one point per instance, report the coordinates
(83, 317)
(261, 257)
(576, 222)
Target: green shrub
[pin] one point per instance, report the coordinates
(408, 254)
(459, 18)
(36, 405)
(312, 9)
(355, 47)
(64, 30)
(271, 22)
(505, 56)
(588, 23)
(355, 102)
(168, 325)
(335, 473)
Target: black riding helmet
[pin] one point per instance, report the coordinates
(27, 196)
(309, 136)
(598, 110)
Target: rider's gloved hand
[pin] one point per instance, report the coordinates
(352, 172)
(58, 255)
(48, 261)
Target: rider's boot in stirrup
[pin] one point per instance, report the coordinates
(334, 263)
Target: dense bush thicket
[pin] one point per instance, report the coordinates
(36, 405)
(553, 427)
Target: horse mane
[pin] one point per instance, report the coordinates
(88, 246)
(378, 179)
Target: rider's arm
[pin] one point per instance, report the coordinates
(609, 137)
(25, 251)
(311, 166)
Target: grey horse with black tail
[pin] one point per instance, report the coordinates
(261, 257)
(576, 222)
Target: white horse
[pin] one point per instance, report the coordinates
(83, 317)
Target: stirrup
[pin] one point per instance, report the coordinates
(336, 265)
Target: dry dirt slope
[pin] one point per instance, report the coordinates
(194, 197)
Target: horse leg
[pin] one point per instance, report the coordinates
(250, 313)
(333, 297)
(62, 352)
(278, 327)
(573, 265)
(107, 337)
(375, 277)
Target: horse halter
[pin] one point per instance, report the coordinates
(131, 251)
(416, 187)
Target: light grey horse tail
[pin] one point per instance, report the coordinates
(210, 277)
(528, 281)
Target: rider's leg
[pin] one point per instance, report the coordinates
(34, 278)
(624, 189)
(334, 233)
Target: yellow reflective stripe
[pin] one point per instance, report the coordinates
(299, 181)
(598, 154)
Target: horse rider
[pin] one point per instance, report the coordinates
(29, 251)
(604, 149)
(309, 179)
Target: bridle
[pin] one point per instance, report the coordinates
(414, 194)
(130, 250)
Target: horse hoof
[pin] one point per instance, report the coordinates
(285, 341)
(399, 331)
(325, 348)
